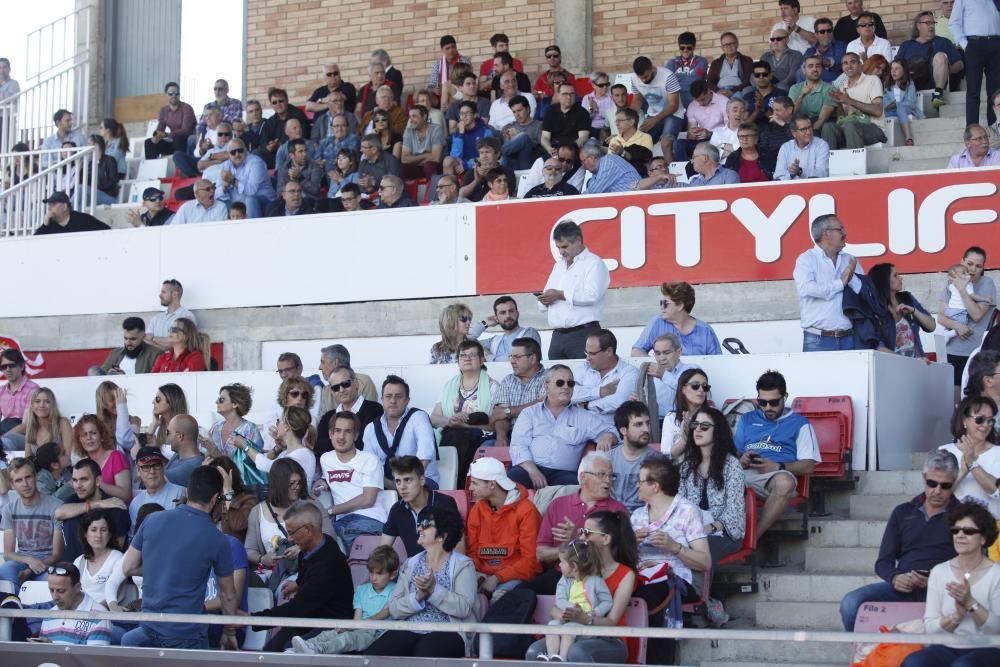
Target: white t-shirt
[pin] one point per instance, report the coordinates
(127, 365)
(348, 480)
(655, 92)
(881, 46)
(955, 299)
(969, 487)
(723, 136)
(102, 585)
(160, 325)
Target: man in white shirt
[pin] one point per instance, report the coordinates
(500, 112)
(354, 479)
(606, 380)
(659, 88)
(868, 43)
(574, 293)
(203, 208)
(800, 28)
(170, 298)
(821, 275)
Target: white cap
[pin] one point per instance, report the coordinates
(491, 470)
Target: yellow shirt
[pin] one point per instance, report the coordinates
(640, 138)
(578, 595)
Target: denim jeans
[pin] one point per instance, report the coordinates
(10, 570)
(815, 343)
(349, 526)
(145, 638)
(945, 656)
(519, 152)
(878, 592)
(552, 476)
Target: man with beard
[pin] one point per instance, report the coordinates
(87, 487)
(632, 422)
(136, 356)
(170, 298)
(505, 314)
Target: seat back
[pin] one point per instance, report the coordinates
(678, 169)
(448, 467)
(749, 531)
(522, 185)
(35, 592)
(832, 417)
(258, 599)
(136, 188)
(386, 499)
(461, 498)
(150, 169)
(637, 616)
(583, 85)
(848, 162)
(543, 609)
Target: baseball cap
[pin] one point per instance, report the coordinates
(491, 470)
(149, 193)
(57, 197)
(149, 455)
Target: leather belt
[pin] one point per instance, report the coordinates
(838, 333)
(588, 325)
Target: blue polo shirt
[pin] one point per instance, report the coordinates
(701, 340)
(180, 550)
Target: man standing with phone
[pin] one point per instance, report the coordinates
(776, 445)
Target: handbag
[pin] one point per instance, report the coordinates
(919, 68)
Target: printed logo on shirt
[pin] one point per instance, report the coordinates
(339, 475)
(764, 446)
(493, 552)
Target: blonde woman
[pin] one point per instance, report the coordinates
(43, 423)
(185, 351)
(454, 325)
(294, 437)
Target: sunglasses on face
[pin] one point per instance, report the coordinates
(296, 393)
(153, 198)
(341, 386)
(464, 318)
(761, 75)
(955, 530)
(698, 386)
(778, 39)
(825, 31)
(7, 367)
(769, 402)
(173, 94)
(425, 523)
(980, 420)
(685, 47)
(237, 151)
(224, 134)
(333, 73)
(565, 383)
(866, 25)
(702, 426)
(221, 399)
(602, 84)
(587, 532)
(931, 484)
(665, 304)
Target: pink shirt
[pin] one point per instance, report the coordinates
(14, 402)
(572, 508)
(712, 116)
(114, 465)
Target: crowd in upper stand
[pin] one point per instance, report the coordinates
(823, 84)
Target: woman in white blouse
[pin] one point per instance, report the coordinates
(973, 426)
(100, 563)
(963, 594)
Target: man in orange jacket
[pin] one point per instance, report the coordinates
(502, 529)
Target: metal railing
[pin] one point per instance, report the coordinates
(485, 631)
(58, 67)
(30, 177)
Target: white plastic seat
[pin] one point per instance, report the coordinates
(34, 592)
(258, 599)
(848, 162)
(149, 169)
(448, 467)
(678, 169)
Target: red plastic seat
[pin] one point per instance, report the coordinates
(462, 499)
(832, 417)
(583, 86)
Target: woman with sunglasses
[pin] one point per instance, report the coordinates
(437, 585)
(292, 393)
(184, 352)
(294, 435)
(673, 546)
(745, 160)
(975, 447)
(963, 594)
(454, 324)
(234, 435)
(691, 396)
(392, 141)
(168, 402)
(597, 103)
(268, 547)
(712, 478)
(612, 536)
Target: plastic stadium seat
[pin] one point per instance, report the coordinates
(448, 467)
(502, 454)
(678, 169)
(150, 169)
(832, 417)
(522, 185)
(258, 599)
(462, 500)
(583, 86)
(364, 545)
(848, 162)
(636, 616)
(34, 592)
(386, 499)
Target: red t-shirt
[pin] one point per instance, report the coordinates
(486, 69)
(542, 83)
(189, 360)
(616, 578)
(750, 172)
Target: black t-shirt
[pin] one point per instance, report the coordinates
(348, 89)
(78, 222)
(403, 525)
(564, 126)
(159, 219)
(71, 527)
(562, 189)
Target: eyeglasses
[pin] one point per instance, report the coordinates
(778, 39)
(605, 476)
(333, 73)
(749, 135)
(425, 523)
(925, 22)
(293, 532)
(769, 402)
(380, 119)
(931, 484)
(58, 570)
(468, 357)
(824, 31)
(761, 75)
(296, 393)
(699, 386)
(955, 530)
(587, 532)
(666, 303)
(295, 483)
(866, 25)
(685, 47)
(224, 134)
(153, 198)
(980, 420)
(518, 357)
(159, 399)
(149, 467)
(237, 151)
(645, 481)
(464, 318)
(658, 167)
(219, 89)
(602, 84)
(341, 385)
(807, 128)
(7, 367)
(552, 55)
(221, 399)
(565, 383)
(279, 101)
(702, 426)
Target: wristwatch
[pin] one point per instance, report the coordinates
(506, 410)
(229, 496)
(781, 466)
(973, 608)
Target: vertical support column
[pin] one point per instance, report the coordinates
(90, 40)
(573, 21)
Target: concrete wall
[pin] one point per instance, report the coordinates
(243, 330)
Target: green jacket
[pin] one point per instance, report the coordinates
(143, 364)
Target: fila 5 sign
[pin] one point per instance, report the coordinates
(920, 222)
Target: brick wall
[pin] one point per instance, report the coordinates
(287, 40)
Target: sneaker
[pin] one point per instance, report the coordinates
(303, 646)
(937, 99)
(542, 657)
(556, 658)
(909, 142)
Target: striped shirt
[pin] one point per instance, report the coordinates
(13, 402)
(73, 631)
(513, 392)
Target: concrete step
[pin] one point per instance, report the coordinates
(958, 111)
(923, 151)
(846, 532)
(925, 164)
(877, 507)
(888, 483)
(811, 586)
(800, 615)
(851, 560)
(728, 652)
